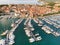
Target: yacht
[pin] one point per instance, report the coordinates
(57, 26)
(37, 34)
(46, 29)
(13, 25)
(11, 38)
(26, 21)
(56, 33)
(25, 28)
(4, 33)
(27, 33)
(31, 40)
(38, 38)
(17, 21)
(35, 20)
(29, 23)
(2, 42)
(32, 29)
(39, 24)
(11, 42)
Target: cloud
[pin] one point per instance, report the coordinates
(23, 1)
(18, 1)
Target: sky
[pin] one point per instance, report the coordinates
(23, 1)
(18, 1)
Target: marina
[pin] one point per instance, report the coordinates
(51, 39)
(39, 22)
(29, 32)
(10, 36)
(29, 22)
(29, 29)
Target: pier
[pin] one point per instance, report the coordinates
(39, 22)
(10, 36)
(53, 22)
(30, 34)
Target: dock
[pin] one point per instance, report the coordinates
(39, 22)
(29, 33)
(10, 36)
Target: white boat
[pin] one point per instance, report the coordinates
(35, 21)
(16, 14)
(25, 28)
(40, 21)
(49, 22)
(39, 24)
(38, 38)
(32, 29)
(26, 21)
(31, 40)
(46, 29)
(56, 34)
(11, 36)
(29, 23)
(37, 34)
(2, 42)
(13, 25)
(4, 33)
(27, 33)
(58, 26)
(11, 42)
(17, 21)
(55, 26)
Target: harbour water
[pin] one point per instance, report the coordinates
(22, 39)
(5, 24)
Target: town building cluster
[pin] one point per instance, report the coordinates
(30, 10)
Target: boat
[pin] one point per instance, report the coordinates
(26, 21)
(13, 25)
(11, 36)
(4, 33)
(11, 42)
(35, 21)
(11, 39)
(56, 25)
(38, 38)
(37, 34)
(29, 23)
(16, 14)
(2, 42)
(17, 21)
(32, 29)
(25, 28)
(39, 24)
(46, 29)
(31, 40)
(27, 33)
(56, 33)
